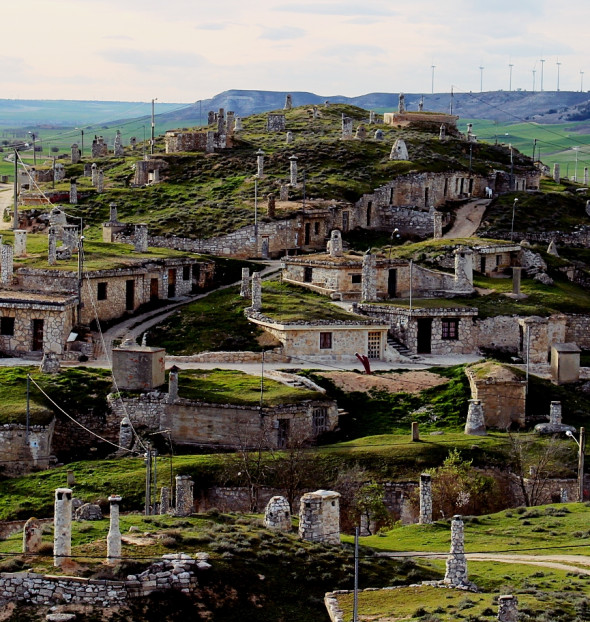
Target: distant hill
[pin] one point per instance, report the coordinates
(545, 107)
(70, 113)
(502, 106)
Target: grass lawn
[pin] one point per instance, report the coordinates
(225, 386)
(530, 530)
(97, 255)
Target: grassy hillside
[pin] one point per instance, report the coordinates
(210, 194)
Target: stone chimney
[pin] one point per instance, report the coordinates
(369, 278)
(76, 155)
(270, 209)
(245, 286)
(555, 413)
(335, 244)
(293, 170)
(173, 384)
(73, 191)
(463, 269)
(256, 292)
(62, 519)
(6, 263)
(456, 566)
(475, 424)
(141, 238)
(184, 496)
(260, 163)
(425, 499)
(114, 535)
(164, 500)
(508, 609)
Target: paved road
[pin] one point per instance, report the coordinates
(467, 219)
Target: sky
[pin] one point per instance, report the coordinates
(187, 50)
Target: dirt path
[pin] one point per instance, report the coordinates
(6, 200)
(135, 326)
(468, 219)
(410, 382)
(569, 563)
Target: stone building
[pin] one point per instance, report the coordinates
(501, 392)
(325, 340)
(208, 424)
(495, 259)
(319, 517)
(341, 277)
(35, 322)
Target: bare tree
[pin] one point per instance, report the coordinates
(534, 462)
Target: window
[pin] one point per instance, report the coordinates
(498, 260)
(325, 341)
(356, 278)
(319, 420)
(316, 228)
(101, 291)
(186, 273)
(450, 329)
(283, 433)
(7, 326)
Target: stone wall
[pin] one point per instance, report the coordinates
(231, 357)
(578, 331)
(405, 326)
(175, 571)
(328, 341)
(58, 319)
(21, 455)
(224, 425)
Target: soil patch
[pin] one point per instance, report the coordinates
(408, 382)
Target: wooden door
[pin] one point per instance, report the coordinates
(130, 295)
(37, 335)
(171, 282)
(425, 335)
(154, 289)
(392, 283)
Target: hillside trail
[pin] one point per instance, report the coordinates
(138, 324)
(467, 219)
(569, 563)
(6, 200)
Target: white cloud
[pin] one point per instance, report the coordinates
(282, 33)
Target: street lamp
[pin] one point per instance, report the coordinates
(82, 143)
(581, 449)
(576, 171)
(33, 136)
(153, 127)
(512, 226)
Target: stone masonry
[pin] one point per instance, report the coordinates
(475, 424)
(141, 238)
(114, 535)
(508, 609)
(319, 517)
(184, 495)
(369, 278)
(62, 538)
(20, 243)
(425, 499)
(245, 285)
(277, 514)
(456, 566)
(6, 263)
(32, 535)
(256, 292)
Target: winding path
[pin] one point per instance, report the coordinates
(467, 219)
(569, 563)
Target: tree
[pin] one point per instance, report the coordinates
(458, 488)
(534, 461)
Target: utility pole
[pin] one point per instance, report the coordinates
(542, 68)
(452, 99)
(148, 479)
(510, 65)
(534, 145)
(15, 217)
(582, 449)
(153, 140)
(558, 66)
(534, 72)
(80, 274)
(581, 81)
(355, 606)
(28, 407)
(481, 78)
(432, 79)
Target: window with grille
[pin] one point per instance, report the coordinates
(450, 329)
(325, 341)
(319, 420)
(374, 345)
(356, 278)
